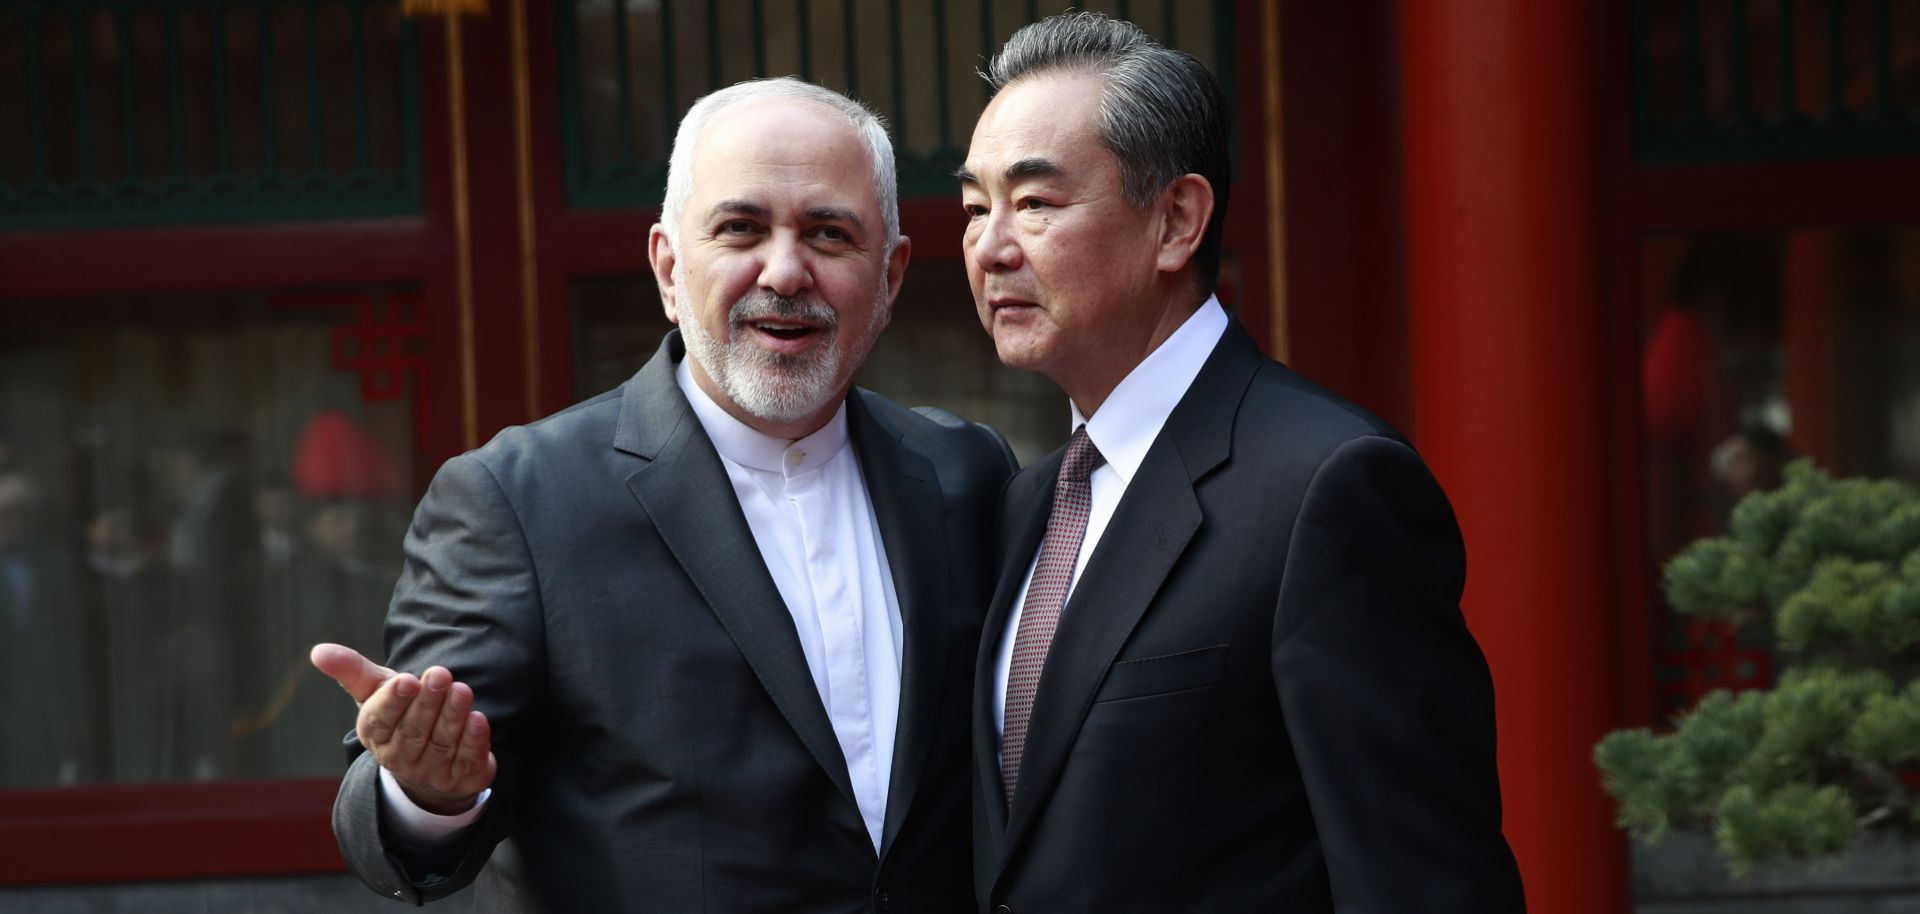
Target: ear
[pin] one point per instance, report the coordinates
(897, 268)
(1185, 208)
(660, 255)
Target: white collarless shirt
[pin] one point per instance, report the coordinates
(807, 506)
(813, 524)
(1123, 429)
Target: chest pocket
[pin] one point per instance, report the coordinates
(1166, 673)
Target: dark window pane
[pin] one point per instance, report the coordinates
(1759, 348)
(193, 491)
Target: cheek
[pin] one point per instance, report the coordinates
(724, 279)
(707, 304)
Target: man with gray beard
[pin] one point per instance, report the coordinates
(704, 642)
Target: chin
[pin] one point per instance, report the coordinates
(1023, 354)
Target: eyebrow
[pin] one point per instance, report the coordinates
(755, 210)
(835, 214)
(1030, 167)
(736, 208)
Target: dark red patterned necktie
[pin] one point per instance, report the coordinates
(1040, 615)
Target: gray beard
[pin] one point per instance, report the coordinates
(771, 386)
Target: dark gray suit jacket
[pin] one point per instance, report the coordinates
(1262, 695)
(661, 742)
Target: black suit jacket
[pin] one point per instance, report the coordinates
(1262, 695)
(661, 742)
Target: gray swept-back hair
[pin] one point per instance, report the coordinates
(1161, 114)
(872, 131)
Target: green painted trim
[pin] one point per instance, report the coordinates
(362, 112)
(622, 83)
(1880, 131)
(129, 129)
(850, 48)
(149, 203)
(178, 198)
(635, 184)
(567, 62)
(36, 97)
(804, 15)
(269, 108)
(1226, 69)
(412, 172)
(222, 94)
(899, 70)
(176, 96)
(316, 147)
(83, 96)
(942, 75)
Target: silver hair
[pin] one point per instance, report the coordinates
(872, 131)
(1161, 114)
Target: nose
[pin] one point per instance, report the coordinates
(786, 271)
(993, 248)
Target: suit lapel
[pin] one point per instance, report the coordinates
(1149, 530)
(686, 492)
(1024, 512)
(905, 491)
(1151, 527)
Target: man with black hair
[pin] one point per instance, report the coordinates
(1225, 668)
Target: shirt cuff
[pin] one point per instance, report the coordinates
(405, 817)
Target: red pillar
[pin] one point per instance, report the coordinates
(1813, 345)
(1509, 401)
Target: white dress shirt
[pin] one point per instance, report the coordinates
(1123, 429)
(807, 506)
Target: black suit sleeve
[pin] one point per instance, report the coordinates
(468, 599)
(991, 446)
(1003, 457)
(1387, 698)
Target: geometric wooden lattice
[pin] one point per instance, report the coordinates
(1771, 82)
(627, 70)
(157, 112)
(383, 341)
(384, 345)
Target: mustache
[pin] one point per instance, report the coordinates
(765, 305)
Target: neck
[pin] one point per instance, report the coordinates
(1091, 387)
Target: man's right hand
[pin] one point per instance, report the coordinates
(421, 729)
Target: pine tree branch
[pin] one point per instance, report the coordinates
(1896, 797)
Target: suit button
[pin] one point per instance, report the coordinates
(881, 902)
(1002, 909)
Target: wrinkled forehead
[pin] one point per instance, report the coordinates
(788, 150)
(1051, 118)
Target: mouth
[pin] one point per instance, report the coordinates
(782, 325)
(997, 302)
(784, 331)
(1009, 306)
(785, 336)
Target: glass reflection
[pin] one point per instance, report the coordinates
(192, 493)
(1759, 348)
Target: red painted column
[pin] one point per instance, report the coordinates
(1813, 345)
(1509, 401)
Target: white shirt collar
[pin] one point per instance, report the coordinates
(1127, 423)
(757, 450)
